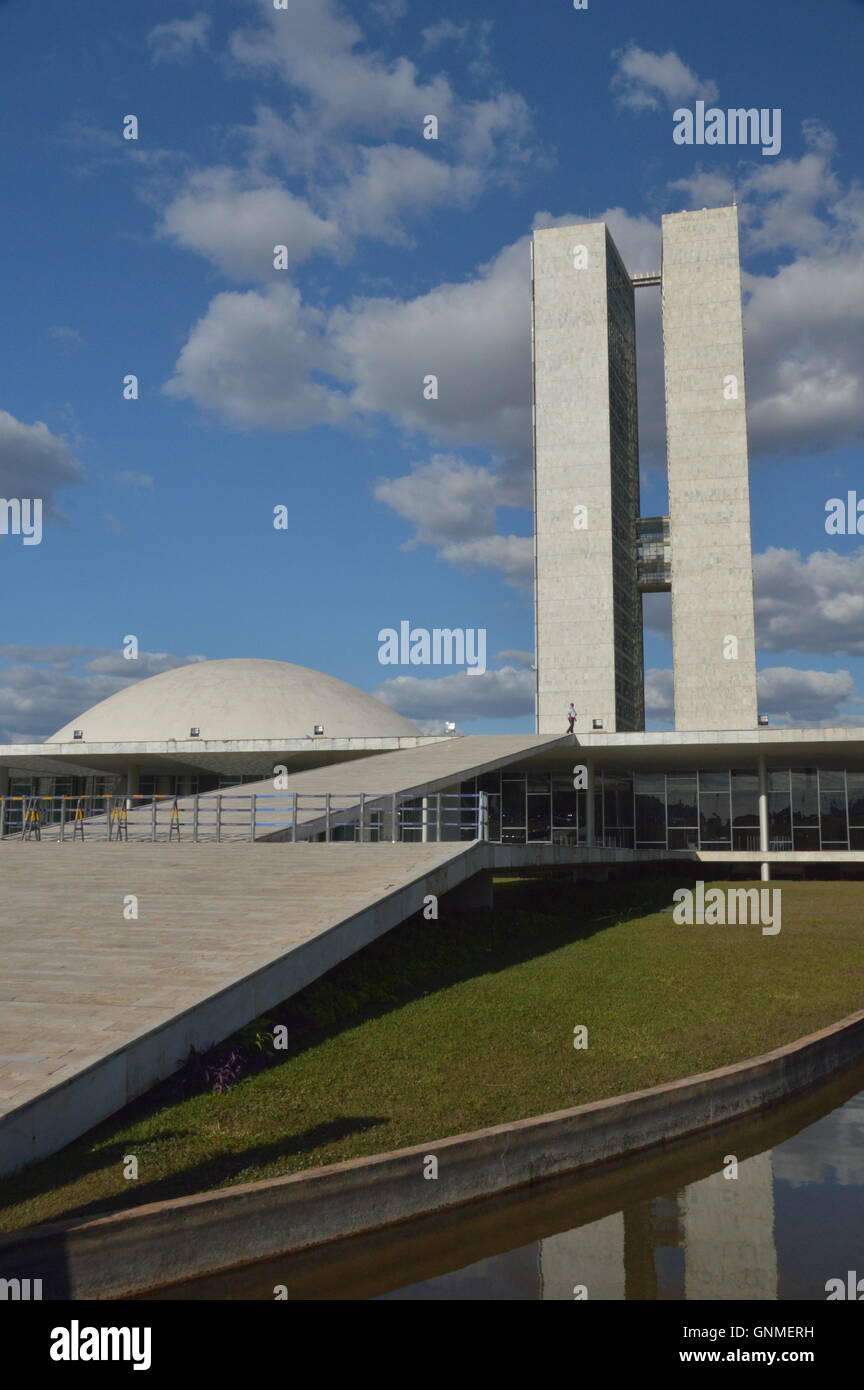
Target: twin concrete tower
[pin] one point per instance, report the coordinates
(595, 554)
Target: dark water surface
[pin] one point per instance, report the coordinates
(665, 1226)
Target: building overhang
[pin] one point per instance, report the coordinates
(661, 751)
(687, 751)
(189, 756)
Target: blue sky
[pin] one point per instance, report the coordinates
(302, 387)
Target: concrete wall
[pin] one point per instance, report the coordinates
(709, 500)
(575, 577)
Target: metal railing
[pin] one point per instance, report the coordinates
(355, 817)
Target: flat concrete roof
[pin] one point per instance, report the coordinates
(670, 750)
(199, 755)
(666, 749)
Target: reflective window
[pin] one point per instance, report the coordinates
(617, 802)
(745, 800)
(681, 800)
(855, 791)
(715, 829)
(650, 795)
(564, 803)
(538, 784)
(805, 837)
(512, 802)
(539, 822)
(684, 839)
(808, 809)
(832, 809)
(805, 797)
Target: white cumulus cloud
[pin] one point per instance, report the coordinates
(644, 80)
(504, 694)
(34, 462)
(179, 39)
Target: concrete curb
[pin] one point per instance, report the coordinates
(165, 1242)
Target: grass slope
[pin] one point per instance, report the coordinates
(453, 1025)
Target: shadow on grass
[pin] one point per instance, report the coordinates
(421, 957)
(209, 1174)
(531, 918)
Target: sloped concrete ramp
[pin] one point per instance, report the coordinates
(407, 771)
(96, 1004)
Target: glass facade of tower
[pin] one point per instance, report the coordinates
(654, 554)
(624, 442)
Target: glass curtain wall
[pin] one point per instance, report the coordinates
(808, 809)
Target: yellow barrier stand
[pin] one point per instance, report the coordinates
(32, 820)
(120, 822)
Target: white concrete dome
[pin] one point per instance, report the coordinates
(236, 699)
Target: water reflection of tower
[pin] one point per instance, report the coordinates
(592, 1255)
(729, 1234)
(714, 1240)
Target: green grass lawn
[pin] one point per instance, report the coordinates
(453, 1025)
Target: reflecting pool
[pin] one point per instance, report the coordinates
(669, 1224)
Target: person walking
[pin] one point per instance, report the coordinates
(571, 718)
